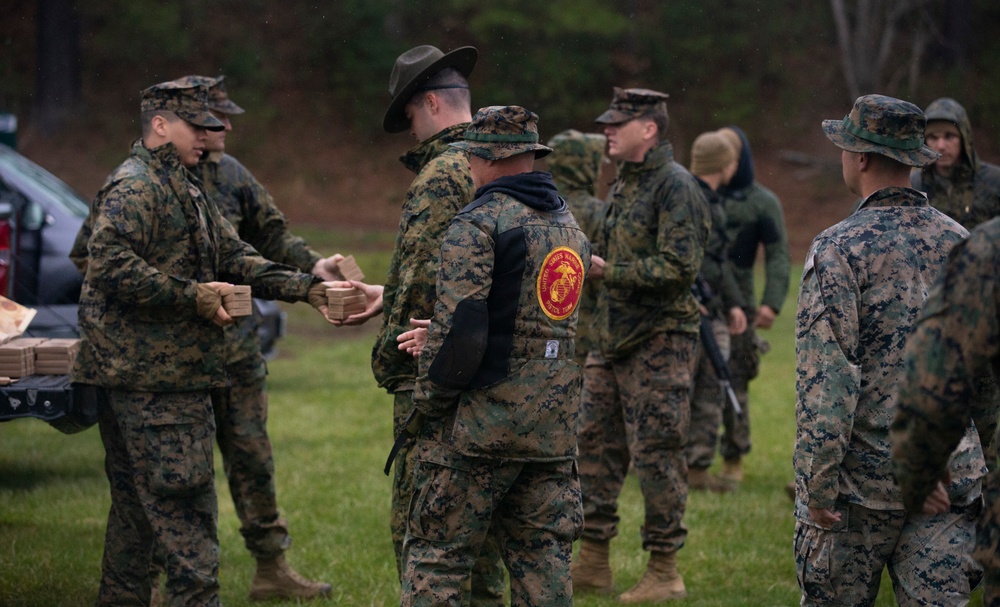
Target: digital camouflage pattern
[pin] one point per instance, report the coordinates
(218, 98)
(953, 348)
(575, 165)
(636, 411)
(497, 132)
(863, 284)
(153, 237)
(654, 237)
(442, 187)
(187, 97)
(628, 104)
(497, 457)
(971, 194)
(883, 125)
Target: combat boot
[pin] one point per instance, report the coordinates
(591, 571)
(661, 582)
(700, 480)
(732, 470)
(275, 579)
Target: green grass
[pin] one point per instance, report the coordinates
(330, 427)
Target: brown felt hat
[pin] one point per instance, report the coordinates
(415, 67)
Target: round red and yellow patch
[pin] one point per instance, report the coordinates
(560, 283)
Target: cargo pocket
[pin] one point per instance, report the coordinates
(440, 507)
(179, 452)
(814, 562)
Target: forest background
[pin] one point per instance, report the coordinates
(313, 77)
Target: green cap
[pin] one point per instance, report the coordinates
(629, 104)
(187, 97)
(218, 98)
(883, 125)
(501, 131)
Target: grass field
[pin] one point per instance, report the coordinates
(330, 427)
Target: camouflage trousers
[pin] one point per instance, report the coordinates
(744, 364)
(929, 557)
(531, 509)
(637, 410)
(987, 551)
(487, 579)
(707, 402)
(158, 460)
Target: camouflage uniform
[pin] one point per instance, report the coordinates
(754, 218)
(155, 237)
(971, 195)
(636, 388)
(863, 283)
(441, 188)
(499, 387)
(575, 164)
(956, 343)
(707, 400)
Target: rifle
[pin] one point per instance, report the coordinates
(703, 293)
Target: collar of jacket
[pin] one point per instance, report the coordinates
(418, 156)
(895, 197)
(658, 156)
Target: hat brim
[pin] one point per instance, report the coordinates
(499, 151)
(226, 107)
(462, 59)
(613, 117)
(204, 120)
(835, 132)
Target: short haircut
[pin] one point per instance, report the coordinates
(661, 120)
(146, 119)
(888, 164)
(455, 98)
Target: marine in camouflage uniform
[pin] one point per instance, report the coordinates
(498, 385)
(966, 189)
(955, 343)
(152, 341)
(863, 284)
(754, 219)
(637, 387)
(575, 165)
(441, 188)
(713, 159)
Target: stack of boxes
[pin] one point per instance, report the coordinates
(37, 356)
(350, 270)
(17, 358)
(237, 301)
(342, 303)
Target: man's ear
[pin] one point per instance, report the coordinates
(432, 102)
(159, 125)
(650, 130)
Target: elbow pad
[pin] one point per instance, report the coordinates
(463, 349)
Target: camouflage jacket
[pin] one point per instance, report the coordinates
(653, 237)
(498, 364)
(971, 194)
(575, 177)
(754, 218)
(716, 267)
(245, 203)
(955, 345)
(863, 284)
(153, 237)
(442, 187)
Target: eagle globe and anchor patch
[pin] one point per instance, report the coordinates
(560, 283)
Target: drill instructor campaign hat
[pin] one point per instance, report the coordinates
(186, 97)
(502, 131)
(412, 69)
(883, 125)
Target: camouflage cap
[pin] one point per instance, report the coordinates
(187, 97)
(571, 149)
(629, 104)
(502, 131)
(218, 98)
(883, 125)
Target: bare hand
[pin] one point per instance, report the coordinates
(737, 321)
(596, 267)
(413, 340)
(938, 501)
(374, 307)
(327, 268)
(823, 517)
(765, 317)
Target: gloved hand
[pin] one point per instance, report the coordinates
(317, 296)
(208, 301)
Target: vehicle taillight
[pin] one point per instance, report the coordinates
(5, 257)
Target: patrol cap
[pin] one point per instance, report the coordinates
(883, 125)
(502, 131)
(218, 98)
(576, 152)
(187, 97)
(415, 67)
(629, 104)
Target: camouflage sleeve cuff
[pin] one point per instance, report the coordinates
(613, 274)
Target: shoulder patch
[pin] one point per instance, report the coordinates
(560, 283)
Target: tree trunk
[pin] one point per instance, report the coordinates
(58, 80)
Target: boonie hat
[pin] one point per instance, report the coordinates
(502, 131)
(629, 104)
(218, 98)
(883, 125)
(187, 97)
(415, 67)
